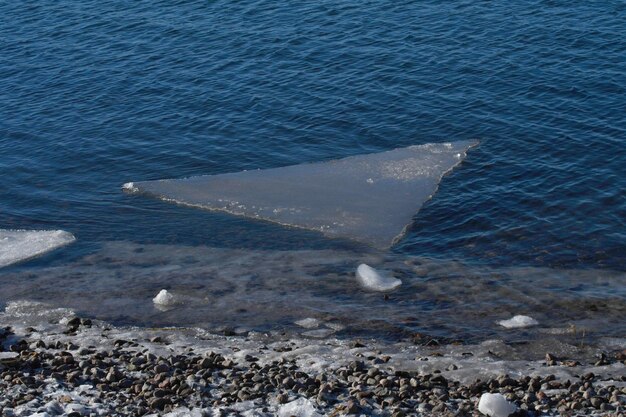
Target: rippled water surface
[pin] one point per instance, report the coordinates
(94, 94)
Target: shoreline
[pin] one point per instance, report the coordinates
(62, 364)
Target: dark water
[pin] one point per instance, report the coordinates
(94, 94)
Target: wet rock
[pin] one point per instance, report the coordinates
(159, 403)
(161, 368)
(74, 322)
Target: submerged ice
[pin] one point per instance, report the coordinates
(19, 245)
(518, 321)
(372, 280)
(370, 198)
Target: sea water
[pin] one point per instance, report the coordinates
(96, 94)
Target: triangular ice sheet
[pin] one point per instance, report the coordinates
(19, 245)
(369, 198)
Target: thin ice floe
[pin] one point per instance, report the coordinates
(20, 245)
(517, 322)
(372, 280)
(370, 198)
(495, 405)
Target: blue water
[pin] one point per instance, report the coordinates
(97, 93)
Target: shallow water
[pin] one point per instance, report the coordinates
(265, 290)
(95, 94)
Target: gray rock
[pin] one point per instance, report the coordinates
(159, 403)
(161, 368)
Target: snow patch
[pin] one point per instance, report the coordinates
(495, 405)
(517, 322)
(372, 280)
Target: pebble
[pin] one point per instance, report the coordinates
(132, 382)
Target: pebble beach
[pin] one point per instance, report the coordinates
(78, 367)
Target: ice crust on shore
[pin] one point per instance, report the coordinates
(310, 355)
(495, 405)
(369, 198)
(372, 280)
(517, 322)
(20, 245)
(301, 407)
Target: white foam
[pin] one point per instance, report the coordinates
(372, 280)
(495, 405)
(370, 198)
(19, 245)
(165, 298)
(518, 321)
(298, 408)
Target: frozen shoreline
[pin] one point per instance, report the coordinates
(72, 365)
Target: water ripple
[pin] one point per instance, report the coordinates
(93, 94)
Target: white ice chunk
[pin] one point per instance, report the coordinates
(370, 198)
(372, 280)
(495, 405)
(130, 187)
(308, 323)
(298, 408)
(19, 245)
(165, 298)
(518, 321)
